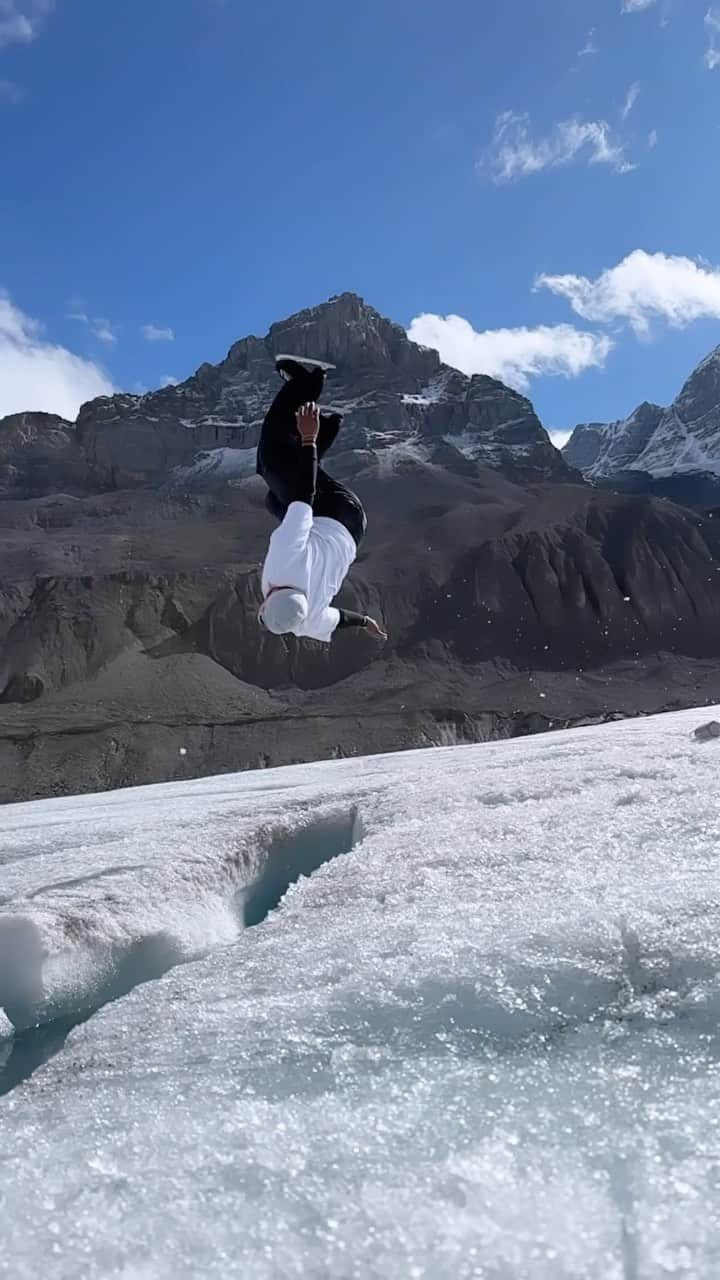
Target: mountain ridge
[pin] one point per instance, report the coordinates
(659, 449)
(517, 596)
(389, 389)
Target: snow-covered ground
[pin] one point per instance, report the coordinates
(480, 1040)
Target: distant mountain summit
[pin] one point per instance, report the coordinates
(395, 395)
(674, 452)
(516, 595)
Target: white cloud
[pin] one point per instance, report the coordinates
(514, 154)
(589, 49)
(712, 26)
(151, 333)
(512, 355)
(169, 381)
(631, 98)
(10, 92)
(104, 331)
(35, 374)
(641, 288)
(20, 20)
(653, 139)
(636, 6)
(15, 29)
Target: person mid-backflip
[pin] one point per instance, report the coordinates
(321, 522)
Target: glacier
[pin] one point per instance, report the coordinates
(449, 1013)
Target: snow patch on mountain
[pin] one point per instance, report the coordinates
(219, 464)
(486, 447)
(382, 383)
(683, 439)
(399, 453)
(435, 391)
(679, 447)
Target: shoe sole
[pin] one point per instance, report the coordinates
(306, 364)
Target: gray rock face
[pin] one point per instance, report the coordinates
(516, 596)
(602, 450)
(130, 649)
(39, 454)
(655, 444)
(396, 397)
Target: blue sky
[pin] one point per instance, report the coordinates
(531, 186)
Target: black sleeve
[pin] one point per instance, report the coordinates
(306, 474)
(350, 619)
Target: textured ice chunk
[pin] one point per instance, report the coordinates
(482, 1042)
(706, 732)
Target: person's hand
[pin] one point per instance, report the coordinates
(374, 629)
(308, 423)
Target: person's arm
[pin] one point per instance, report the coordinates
(350, 619)
(308, 424)
(323, 625)
(290, 538)
(292, 535)
(307, 474)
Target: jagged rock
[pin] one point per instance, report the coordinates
(673, 452)
(201, 434)
(129, 644)
(39, 454)
(706, 732)
(602, 450)
(475, 566)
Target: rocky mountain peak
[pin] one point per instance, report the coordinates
(398, 400)
(131, 544)
(31, 421)
(602, 449)
(646, 412)
(674, 452)
(701, 393)
(347, 332)
(38, 451)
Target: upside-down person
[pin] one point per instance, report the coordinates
(322, 523)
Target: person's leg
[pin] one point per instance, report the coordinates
(277, 455)
(279, 426)
(336, 501)
(330, 424)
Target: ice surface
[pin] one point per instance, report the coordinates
(482, 1042)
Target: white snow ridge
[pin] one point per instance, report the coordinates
(223, 463)
(443, 1014)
